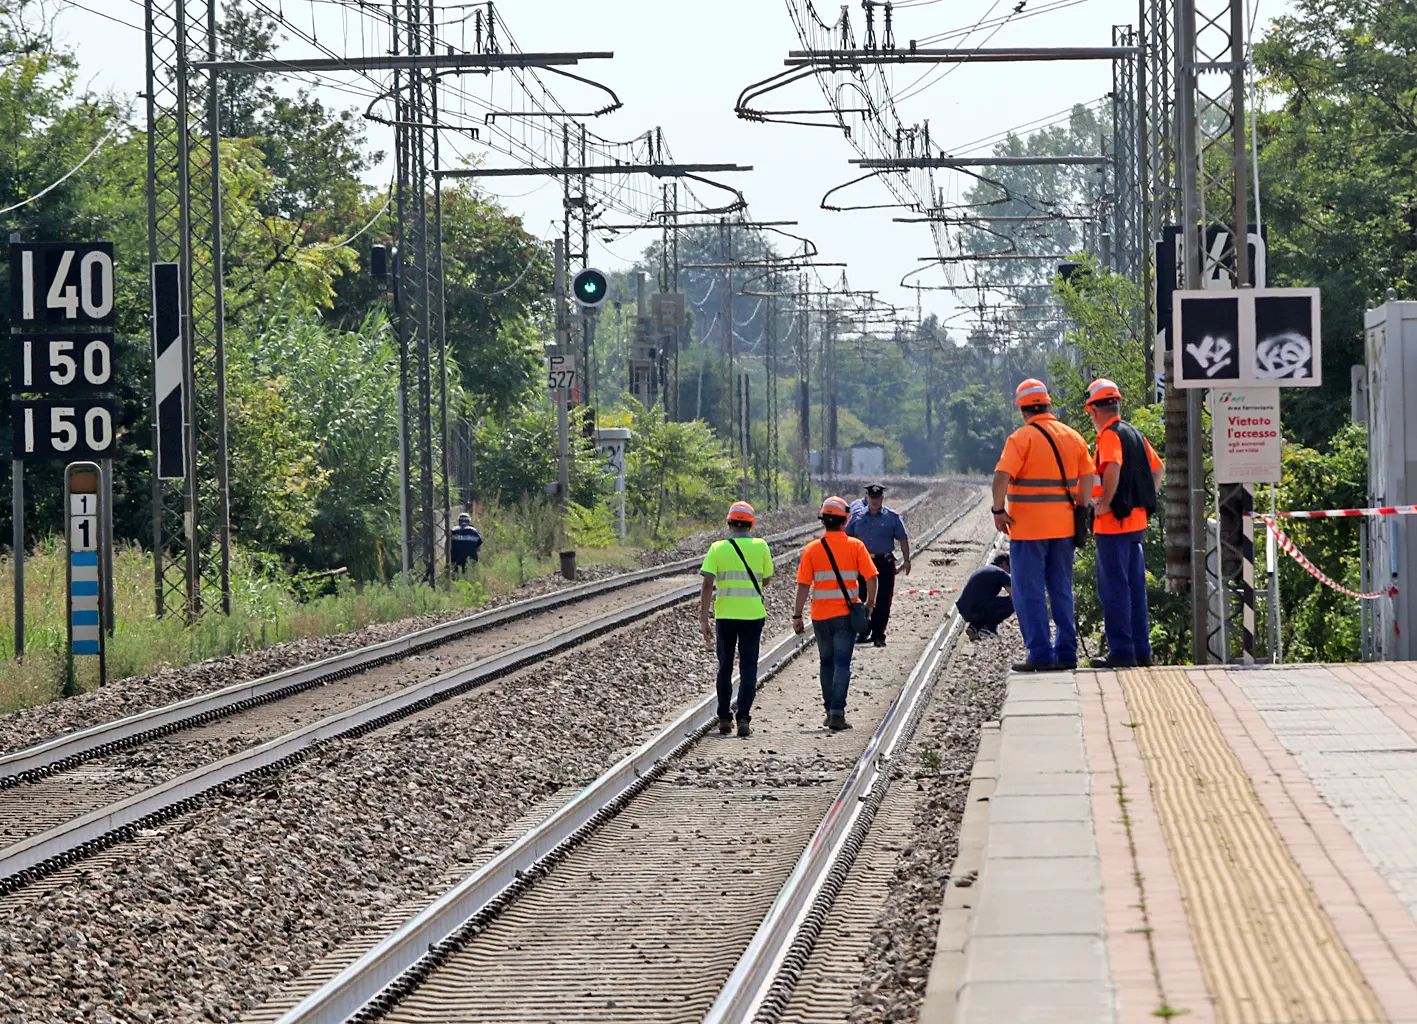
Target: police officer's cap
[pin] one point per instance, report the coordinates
(875, 490)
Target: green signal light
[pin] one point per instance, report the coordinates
(590, 287)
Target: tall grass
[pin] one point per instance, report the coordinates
(265, 611)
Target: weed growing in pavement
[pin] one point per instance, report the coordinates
(931, 759)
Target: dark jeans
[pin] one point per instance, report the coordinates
(992, 613)
(885, 590)
(1042, 573)
(835, 644)
(1121, 587)
(746, 635)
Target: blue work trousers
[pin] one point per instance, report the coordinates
(1121, 587)
(835, 645)
(1042, 573)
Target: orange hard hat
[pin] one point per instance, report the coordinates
(1103, 390)
(835, 506)
(1032, 392)
(741, 512)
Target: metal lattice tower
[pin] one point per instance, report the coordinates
(1211, 112)
(191, 523)
(1128, 244)
(419, 282)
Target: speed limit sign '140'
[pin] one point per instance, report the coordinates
(61, 283)
(46, 428)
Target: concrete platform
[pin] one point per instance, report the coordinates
(1225, 845)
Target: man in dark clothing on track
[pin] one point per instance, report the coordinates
(985, 601)
(467, 542)
(879, 527)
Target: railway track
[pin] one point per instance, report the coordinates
(71, 797)
(687, 880)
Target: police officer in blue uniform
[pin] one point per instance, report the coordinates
(466, 543)
(879, 527)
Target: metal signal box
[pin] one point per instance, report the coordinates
(1390, 335)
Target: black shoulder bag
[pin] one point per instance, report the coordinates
(1082, 514)
(860, 621)
(751, 577)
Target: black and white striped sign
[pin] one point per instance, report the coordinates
(168, 363)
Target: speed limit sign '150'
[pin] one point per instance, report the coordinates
(61, 363)
(81, 428)
(61, 284)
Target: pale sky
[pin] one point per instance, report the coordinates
(680, 65)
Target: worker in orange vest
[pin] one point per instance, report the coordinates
(1129, 473)
(1044, 472)
(829, 570)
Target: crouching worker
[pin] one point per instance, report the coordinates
(735, 571)
(986, 600)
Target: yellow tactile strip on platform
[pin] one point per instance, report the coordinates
(1270, 953)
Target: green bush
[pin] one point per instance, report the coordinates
(592, 527)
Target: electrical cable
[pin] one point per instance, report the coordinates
(67, 174)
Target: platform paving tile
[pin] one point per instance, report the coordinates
(1033, 1002)
(1040, 873)
(1365, 767)
(1041, 708)
(1054, 783)
(1023, 755)
(1028, 958)
(1014, 809)
(1050, 912)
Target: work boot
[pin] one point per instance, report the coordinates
(1035, 666)
(880, 641)
(744, 729)
(1111, 662)
(838, 722)
(725, 726)
(863, 638)
(1144, 662)
(1065, 666)
(971, 632)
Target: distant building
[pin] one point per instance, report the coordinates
(868, 459)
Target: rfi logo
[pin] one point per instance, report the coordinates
(1226, 397)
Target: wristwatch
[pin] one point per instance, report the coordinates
(997, 511)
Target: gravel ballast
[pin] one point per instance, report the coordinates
(253, 888)
(897, 966)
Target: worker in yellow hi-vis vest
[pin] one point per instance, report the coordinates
(735, 571)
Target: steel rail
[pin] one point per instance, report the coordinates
(68, 751)
(37, 856)
(762, 982)
(379, 979)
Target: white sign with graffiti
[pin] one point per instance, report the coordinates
(1252, 338)
(1245, 426)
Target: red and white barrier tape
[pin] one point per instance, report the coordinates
(1288, 545)
(1344, 513)
(932, 592)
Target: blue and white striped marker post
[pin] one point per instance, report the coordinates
(81, 492)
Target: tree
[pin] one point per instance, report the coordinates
(675, 469)
(978, 421)
(1338, 170)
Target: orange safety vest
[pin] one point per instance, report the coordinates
(1038, 498)
(815, 570)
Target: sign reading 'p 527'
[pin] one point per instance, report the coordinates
(61, 284)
